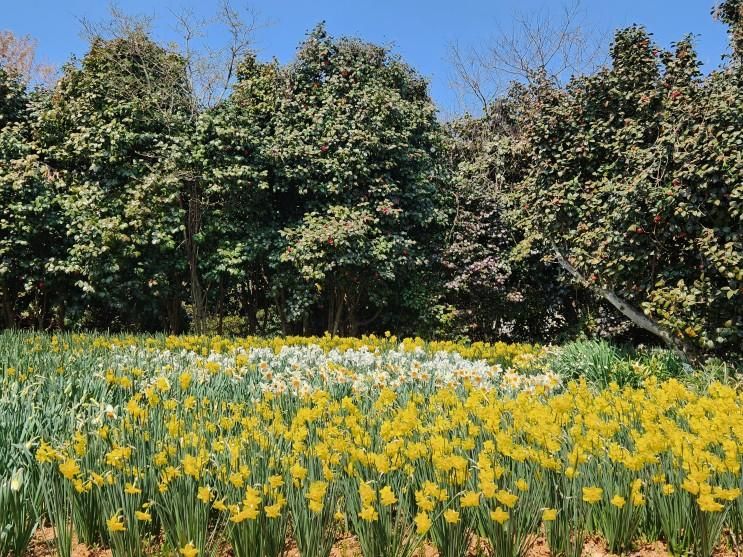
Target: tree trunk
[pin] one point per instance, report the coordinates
(173, 311)
(198, 298)
(305, 323)
(192, 206)
(61, 312)
(266, 317)
(253, 324)
(340, 302)
(220, 325)
(6, 309)
(249, 309)
(357, 325)
(41, 318)
(279, 299)
(331, 310)
(631, 313)
(352, 322)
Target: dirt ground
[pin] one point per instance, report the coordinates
(43, 546)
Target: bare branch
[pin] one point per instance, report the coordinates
(468, 69)
(210, 70)
(18, 55)
(538, 46)
(213, 69)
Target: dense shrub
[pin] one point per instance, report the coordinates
(325, 195)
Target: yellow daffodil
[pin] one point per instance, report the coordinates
(131, 489)
(422, 523)
(189, 550)
(69, 468)
(506, 498)
(116, 523)
(592, 495)
(273, 511)
(204, 494)
(451, 516)
(470, 499)
(369, 514)
(499, 515)
(549, 515)
(387, 496)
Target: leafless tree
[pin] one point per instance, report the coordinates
(18, 54)
(537, 45)
(210, 66)
(213, 69)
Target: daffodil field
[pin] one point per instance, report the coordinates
(198, 446)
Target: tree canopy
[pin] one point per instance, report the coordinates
(326, 195)
(635, 187)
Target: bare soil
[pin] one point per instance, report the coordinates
(43, 546)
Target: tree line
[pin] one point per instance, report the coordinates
(326, 195)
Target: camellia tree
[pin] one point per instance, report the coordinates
(730, 12)
(356, 143)
(501, 287)
(228, 155)
(14, 229)
(635, 186)
(103, 133)
(344, 250)
(32, 241)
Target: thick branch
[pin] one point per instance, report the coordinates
(634, 315)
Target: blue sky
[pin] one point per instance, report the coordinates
(421, 31)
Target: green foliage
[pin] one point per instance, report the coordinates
(358, 139)
(596, 361)
(102, 133)
(324, 195)
(31, 227)
(223, 170)
(730, 12)
(19, 499)
(20, 491)
(635, 180)
(157, 201)
(501, 286)
(13, 98)
(603, 363)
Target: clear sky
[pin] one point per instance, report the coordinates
(421, 31)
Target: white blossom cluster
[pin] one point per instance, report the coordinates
(307, 368)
